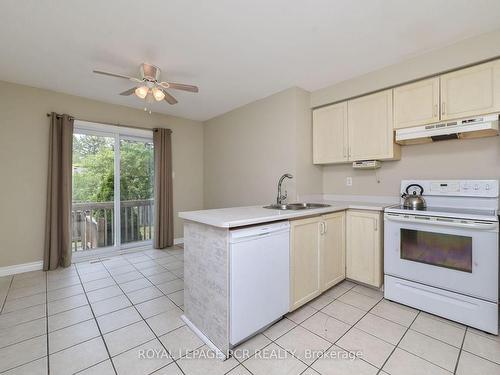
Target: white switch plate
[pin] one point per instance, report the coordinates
(348, 181)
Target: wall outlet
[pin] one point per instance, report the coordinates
(348, 181)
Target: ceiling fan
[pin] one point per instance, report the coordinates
(148, 85)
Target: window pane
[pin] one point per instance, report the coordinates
(136, 190)
(438, 249)
(92, 216)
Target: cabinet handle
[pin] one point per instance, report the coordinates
(435, 110)
(326, 226)
(443, 108)
(376, 225)
(321, 227)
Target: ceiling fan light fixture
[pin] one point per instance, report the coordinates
(142, 91)
(158, 94)
(149, 87)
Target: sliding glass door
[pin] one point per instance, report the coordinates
(136, 190)
(112, 187)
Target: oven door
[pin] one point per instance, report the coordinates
(456, 255)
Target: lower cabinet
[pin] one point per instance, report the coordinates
(332, 250)
(317, 256)
(364, 250)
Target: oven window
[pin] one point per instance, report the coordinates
(443, 250)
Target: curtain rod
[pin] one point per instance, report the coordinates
(106, 123)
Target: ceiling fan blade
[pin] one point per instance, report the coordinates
(128, 92)
(115, 75)
(169, 98)
(179, 86)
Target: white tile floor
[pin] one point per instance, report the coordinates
(95, 317)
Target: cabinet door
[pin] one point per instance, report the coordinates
(417, 103)
(330, 134)
(472, 91)
(332, 260)
(304, 261)
(370, 125)
(364, 247)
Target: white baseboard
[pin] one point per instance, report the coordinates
(219, 354)
(20, 268)
(178, 241)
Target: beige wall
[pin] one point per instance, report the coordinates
(309, 176)
(249, 148)
(478, 158)
(468, 51)
(24, 131)
(472, 159)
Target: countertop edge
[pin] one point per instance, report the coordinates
(198, 216)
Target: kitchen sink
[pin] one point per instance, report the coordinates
(296, 206)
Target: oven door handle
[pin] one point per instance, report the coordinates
(443, 222)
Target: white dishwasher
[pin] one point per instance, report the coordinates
(259, 281)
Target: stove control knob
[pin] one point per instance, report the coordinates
(487, 186)
(476, 187)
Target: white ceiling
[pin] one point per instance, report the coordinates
(236, 51)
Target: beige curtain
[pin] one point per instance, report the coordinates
(164, 212)
(58, 216)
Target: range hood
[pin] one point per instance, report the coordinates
(475, 127)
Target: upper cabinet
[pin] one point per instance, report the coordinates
(359, 129)
(417, 103)
(330, 134)
(363, 128)
(370, 124)
(470, 92)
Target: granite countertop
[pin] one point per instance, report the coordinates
(240, 216)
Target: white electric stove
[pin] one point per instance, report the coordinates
(444, 259)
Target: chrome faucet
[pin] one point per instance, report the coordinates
(281, 197)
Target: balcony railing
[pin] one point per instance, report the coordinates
(93, 223)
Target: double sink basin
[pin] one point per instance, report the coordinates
(296, 206)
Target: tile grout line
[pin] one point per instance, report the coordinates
(460, 351)
(317, 311)
(174, 361)
(97, 324)
(307, 365)
(166, 295)
(154, 333)
(315, 334)
(469, 352)
(481, 357)
(6, 294)
(424, 359)
(401, 339)
(434, 338)
(47, 341)
(23, 340)
(47, 316)
(352, 326)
